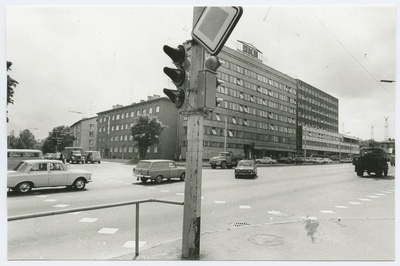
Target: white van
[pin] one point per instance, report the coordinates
(92, 156)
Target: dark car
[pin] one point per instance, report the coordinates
(157, 170)
(246, 168)
(372, 160)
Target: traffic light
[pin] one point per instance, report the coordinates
(208, 83)
(179, 75)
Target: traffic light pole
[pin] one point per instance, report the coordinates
(194, 158)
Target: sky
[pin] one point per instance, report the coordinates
(75, 61)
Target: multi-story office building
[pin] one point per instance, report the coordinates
(258, 114)
(85, 131)
(114, 129)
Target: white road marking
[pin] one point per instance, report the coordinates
(61, 205)
(380, 194)
(42, 196)
(354, 202)
(132, 244)
(219, 201)
(180, 194)
(88, 220)
(274, 212)
(50, 200)
(364, 199)
(245, 207)
(373, 197)
(108, 231)
(342, 207)
(327, 211)
(75, 213)
(310, 218)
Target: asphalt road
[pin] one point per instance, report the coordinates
(281, 194)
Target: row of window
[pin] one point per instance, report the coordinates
(116, 127)
(117, 138)
(258, 112)
(318, 94)
(254, 75)
(249, 135)
(129, 149)
(319, 103)
(131, 114)
(317, 119)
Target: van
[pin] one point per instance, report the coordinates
(14, 156)
(92, 156)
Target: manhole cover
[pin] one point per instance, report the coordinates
(266, 240)
(239, 224)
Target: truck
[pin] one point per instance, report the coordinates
(224, 159)
(73, 155)
(372, 160)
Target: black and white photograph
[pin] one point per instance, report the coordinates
(258, 132)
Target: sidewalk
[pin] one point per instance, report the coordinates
(285, 240)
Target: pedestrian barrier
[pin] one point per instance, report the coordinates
(96, 207)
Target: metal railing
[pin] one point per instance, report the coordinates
(96, 207)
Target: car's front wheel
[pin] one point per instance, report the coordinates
(182, 177)
(24, 187)
(158, 179)
(79, 184)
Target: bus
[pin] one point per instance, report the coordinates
(14, 156)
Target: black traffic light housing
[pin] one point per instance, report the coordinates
(179, 75)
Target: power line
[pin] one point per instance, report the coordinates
(352, 55)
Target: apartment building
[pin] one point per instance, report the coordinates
(114, 129)
(85, 131)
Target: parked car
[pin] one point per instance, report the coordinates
(56, 156)
(346, 160)
(327, 160)
(157, 170)
(246, 168)
(92, 156)
(267, 160)
(286, 160)
(30, 174)
(317, 160)
(48, 156)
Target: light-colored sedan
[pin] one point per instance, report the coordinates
(267, 160)
(29, 174)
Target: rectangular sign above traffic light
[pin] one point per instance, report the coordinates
(214, 27)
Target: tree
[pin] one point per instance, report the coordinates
(371, 143)
(65, 139)
(25, 140)
(146, 131)
(11, 84)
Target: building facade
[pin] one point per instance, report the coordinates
(114, 129)
(85, 131)
(257, 116)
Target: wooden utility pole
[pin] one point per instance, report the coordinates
(194, 157)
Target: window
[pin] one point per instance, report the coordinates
(150, 110)
(155, 150)
(117, 118)
(234, 120)
(214, 132)
(157, 109)
(245, 122)
(132, 114)
(217, 117)
(122, 116)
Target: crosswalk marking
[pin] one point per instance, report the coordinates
(108, 231)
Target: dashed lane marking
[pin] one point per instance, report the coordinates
(220, 201)
(342, 207)
(326, 211)
(42, 196)
(245, 207)
(74, 213)
(310, 218)
(364, 199)
(373, 197)
(61, 205)
(132, 244)
(355, 202)
(108, 231)
(88, 220)
(50, 200)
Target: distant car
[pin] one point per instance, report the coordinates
(30, 174)
(317, 160)
(48, 156)
(56, 156)
(267, 160)
(157, 170)
(92, 156)
(286, 160)
(327, 160)
(246, 168)
(346, 160)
